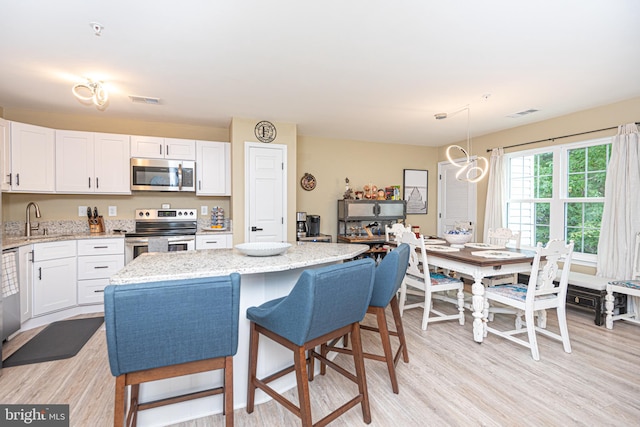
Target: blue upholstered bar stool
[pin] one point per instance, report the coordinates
(389, 275)
(169, 329)
(325, 303)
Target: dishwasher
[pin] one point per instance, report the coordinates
(10, 295)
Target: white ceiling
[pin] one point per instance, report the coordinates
(367, 70)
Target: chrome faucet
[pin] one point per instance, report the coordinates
(28, 228)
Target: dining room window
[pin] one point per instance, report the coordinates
(558, 192)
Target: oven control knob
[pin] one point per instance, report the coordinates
(140, 214)
(147, 213)
(179, 213)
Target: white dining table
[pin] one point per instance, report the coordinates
(464, 261)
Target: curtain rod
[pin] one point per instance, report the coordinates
(557, 137)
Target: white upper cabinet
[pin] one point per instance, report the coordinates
(5, 154)
(113, 173)
(213, 168)
(33, 158)
(88, 162)
(162, 148)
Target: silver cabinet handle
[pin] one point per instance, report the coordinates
(101, 266)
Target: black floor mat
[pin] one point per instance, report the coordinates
(59, 340)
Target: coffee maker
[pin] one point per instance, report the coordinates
(313, 225)
(301, 225)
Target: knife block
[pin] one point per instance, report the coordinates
(96, 225)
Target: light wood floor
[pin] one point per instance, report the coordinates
(450, 381)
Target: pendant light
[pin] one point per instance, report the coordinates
(468, 170)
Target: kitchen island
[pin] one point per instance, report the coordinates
(262, 279)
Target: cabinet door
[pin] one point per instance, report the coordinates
(33, 158)
(112, 170)
(391, 209)
(25, 277)
(213, 168)
(74, 162)
(362, 209)
(213, 241)
(54, 285)
(179, 149)
(147, 146)
(5, 155)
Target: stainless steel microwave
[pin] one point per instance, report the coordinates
(163, 175)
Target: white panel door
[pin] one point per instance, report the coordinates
(265, 192)
(457, 200)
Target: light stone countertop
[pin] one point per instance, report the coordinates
(12, 242)
(151, 267)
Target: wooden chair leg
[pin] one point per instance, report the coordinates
(304, 400)
(228, 391)
(253, 363)
(119, 406)
(386, 346)
(133, 410)
(358, 360)
(395, 310)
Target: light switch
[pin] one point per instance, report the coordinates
(82, 211)
(204, 210)
(113, 210)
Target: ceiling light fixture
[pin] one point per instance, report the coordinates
(91, 91)
(469, 170)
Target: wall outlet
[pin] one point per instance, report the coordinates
(204, 210)
(82, 211)
(113, 210)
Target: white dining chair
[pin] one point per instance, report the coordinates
(537, 296)
(421, 282)
(507, 238)
(631, 288)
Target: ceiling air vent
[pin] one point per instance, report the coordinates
(523, 113)
(145, 100)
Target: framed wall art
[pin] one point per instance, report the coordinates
(415, 190)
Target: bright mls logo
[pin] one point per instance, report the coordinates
(34, 415)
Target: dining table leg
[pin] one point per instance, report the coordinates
(477, 289)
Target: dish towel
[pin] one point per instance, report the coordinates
(9, 274)
(158, 244)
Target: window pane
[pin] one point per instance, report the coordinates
(583, 225)
(595, 184)
(574, 214)
(576, 185)
(598, 157)
(545, 186)
(577, 160)
(542, 235)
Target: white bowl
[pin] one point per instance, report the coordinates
(457, 239)
(263, 248)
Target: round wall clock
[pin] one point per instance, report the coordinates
(308, 182)
(265, 131)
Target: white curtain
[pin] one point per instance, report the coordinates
(496, 192)
(621, 214)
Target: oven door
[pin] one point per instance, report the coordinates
(162, 175)
(135, 246)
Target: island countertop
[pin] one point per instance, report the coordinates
(157, 266)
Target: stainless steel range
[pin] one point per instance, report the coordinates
(162, 230)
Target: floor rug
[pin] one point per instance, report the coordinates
(59, 340)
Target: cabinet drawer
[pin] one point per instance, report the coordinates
(91, 291)
(101, 246)
(213, 241)
(99, 266)
(54, 250)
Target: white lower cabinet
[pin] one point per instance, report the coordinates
(54, 276)
(98, 259)
(214, 241)
(25, 277)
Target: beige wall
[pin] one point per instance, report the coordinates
(61, 206)
(243, 130)
(331, 161)
(606, 116)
